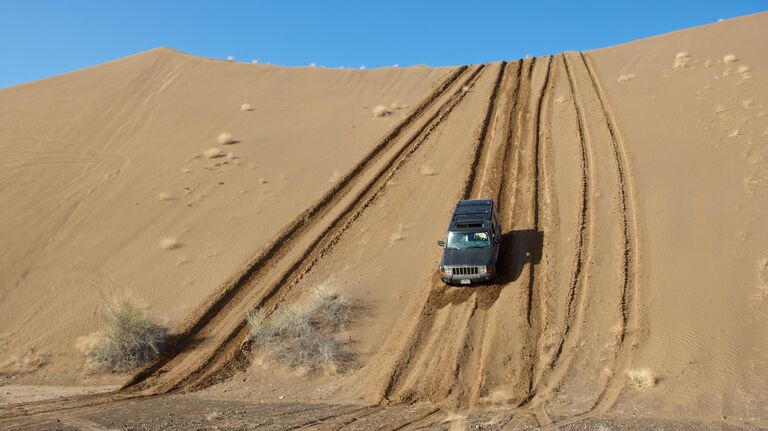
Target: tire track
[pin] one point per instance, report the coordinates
(610, 393)
(321, 248)
(515, 190)
(621, 162)
(287, 236)
(431, 366)
(534, 315)
(577, 285)
(229, 350)
(619, 229)
(410, 347)
(233, 290)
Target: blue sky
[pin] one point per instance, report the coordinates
(45, 38)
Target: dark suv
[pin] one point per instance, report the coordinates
(472, 243)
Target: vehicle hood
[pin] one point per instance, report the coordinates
(469, 256)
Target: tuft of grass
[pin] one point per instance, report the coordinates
(246, 107)
(730, 58)
(381, 111)
(131, 338)
(225, 139)
(642, 378)
(304, 337)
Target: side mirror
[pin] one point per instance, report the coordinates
(441, 243)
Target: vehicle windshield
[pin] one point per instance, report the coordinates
(462, 240)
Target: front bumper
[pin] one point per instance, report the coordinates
(468, 279)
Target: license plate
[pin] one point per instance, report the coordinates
(464, 281)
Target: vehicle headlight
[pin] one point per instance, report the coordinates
(447, 270)
(482, 270)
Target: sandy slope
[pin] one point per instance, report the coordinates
(103, 164)
(632, 193)
(698, 138)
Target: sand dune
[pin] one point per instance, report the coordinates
(631, 183)
(88, 153)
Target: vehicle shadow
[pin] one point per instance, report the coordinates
(518, 248)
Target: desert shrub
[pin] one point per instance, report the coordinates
(304, 337)
(131, 338)
(642, 378)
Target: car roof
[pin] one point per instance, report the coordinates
(471, 215)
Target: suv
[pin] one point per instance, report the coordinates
(472, 243)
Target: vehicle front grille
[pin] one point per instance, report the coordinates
(465, 270)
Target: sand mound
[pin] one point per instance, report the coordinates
(381, 111)
(169, 244)
(213, 153)
(682, 60)
(626, 77)
(225, 139)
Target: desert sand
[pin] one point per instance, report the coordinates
(632, 184)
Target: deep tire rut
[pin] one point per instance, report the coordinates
(464, 315)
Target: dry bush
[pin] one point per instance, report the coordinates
(642, 378)
(381, 111)
(246, 107)
(304, 338)
(730, 58)
(131, 338)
